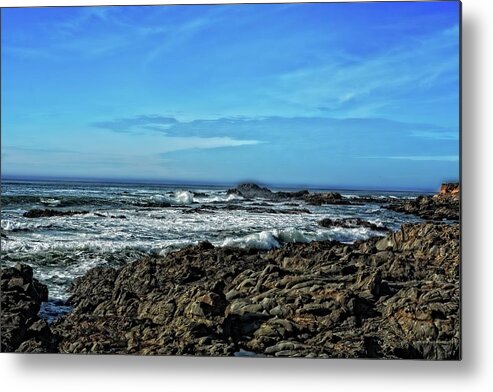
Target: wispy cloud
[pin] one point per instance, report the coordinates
(197, 143)
(150, 122)
(279, 130)
(89, 32)
(180, 34)
(365, 85)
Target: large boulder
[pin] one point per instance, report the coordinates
(21, 328)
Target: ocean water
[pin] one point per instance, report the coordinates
(125, 222)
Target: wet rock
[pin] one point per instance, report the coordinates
(253, 191)
(254, 210)
(21, 328)
(48, 213)
(325, 198)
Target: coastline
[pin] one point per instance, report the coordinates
(387, 297)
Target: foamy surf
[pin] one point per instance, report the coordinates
(61, 248)
(272, 239)
(178, 198)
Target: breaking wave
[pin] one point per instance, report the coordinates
(178, 198)
(272, 239)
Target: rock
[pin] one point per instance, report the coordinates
(21, 328)
(443, 206)
(48, 213)
(255, 210)
(449, 189)
(325, 198)
(253, 191)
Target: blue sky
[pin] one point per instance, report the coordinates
(362, 95)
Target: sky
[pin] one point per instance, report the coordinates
(341, 95)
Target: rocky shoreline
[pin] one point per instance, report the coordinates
(387, 297)
(22, 329)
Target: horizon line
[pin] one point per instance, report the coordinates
(171, 182)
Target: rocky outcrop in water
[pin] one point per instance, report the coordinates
(387, 297)
(48, 213)
(443, 206)
(252, 191)
(21, 328)
(251, 209)
(318, 199)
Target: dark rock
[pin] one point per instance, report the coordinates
(251, 209)
(48, 213)
(253, 191)
(21, 328)
(443, 206)
(326, 198)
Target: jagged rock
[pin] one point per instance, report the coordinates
(21, 328)
(451, 188)
(252, 191)
(443, 206)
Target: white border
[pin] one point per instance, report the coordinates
(473, 373)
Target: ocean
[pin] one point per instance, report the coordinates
(120, 223)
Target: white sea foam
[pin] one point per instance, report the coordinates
(263, 240)
(220, 198)
(184, 197)
(271, 239)
(179, 197)
(10, 225)
(50, 202)
(350, 196)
